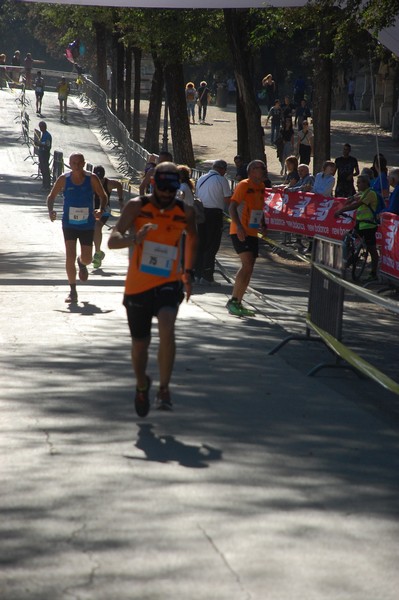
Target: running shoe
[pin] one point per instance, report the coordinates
(163, 401)
(98, 259)
(234, 307)
(83, 272)
(142, 400)
(72, 297)
(237, 309)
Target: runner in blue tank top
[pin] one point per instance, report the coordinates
(79, 216)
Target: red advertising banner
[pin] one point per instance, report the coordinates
(305, 213)
(389, 251)
(310, 214)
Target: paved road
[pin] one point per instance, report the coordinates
(263, 483)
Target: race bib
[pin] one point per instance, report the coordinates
(78, 216)
(255, 219)
(157, 259)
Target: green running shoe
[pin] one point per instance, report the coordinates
(98, 259)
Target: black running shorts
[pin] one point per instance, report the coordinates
(250, 244)
(140, 308)
(85, 236)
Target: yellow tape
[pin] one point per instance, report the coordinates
(354, 359)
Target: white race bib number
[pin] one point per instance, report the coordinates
(157, 258)
(78, 216)
(255, 219)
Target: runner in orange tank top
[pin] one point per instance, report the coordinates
(153, 226)
(246, 211)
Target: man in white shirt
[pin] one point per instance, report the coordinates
(214, 191)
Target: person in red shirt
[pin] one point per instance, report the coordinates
(246, 212)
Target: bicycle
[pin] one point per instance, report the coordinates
(354, 252)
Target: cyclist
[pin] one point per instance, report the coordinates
(365, 202)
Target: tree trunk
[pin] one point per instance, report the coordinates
(151, 137)
(137, 52)
(322, 111)
(237, 28)
(115, 38)
(242, 137)
(128, 88)
(101, 45)
(179, 124)
(120, 81)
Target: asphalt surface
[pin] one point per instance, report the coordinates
(262, 484)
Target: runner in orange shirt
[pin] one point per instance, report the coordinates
(155, 279)
(246, 212)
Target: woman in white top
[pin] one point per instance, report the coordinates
(186, 192)
(325, 181)
(304, 144)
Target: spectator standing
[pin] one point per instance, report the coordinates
(44, 155)
(63, 90)
(187, 186)
(155, 279)
(393, 206)
(287, 136)
(291, 167)
(275, 114)
(191, 97)
(325, 180)
(39, 92)
(213, 190)
(247, 218)
(28, 66)
(379, 177)
(145, 185)
(231, 90)
(302, 113)
(3, 73)
(299, 89)
(347, 169)
(365, 203)
(79, 216)
(108, 185)
(270, 88)
(304, 144)
(16, 62)
(351, 93)
(203, 97)
(241, 166)
(287, 108)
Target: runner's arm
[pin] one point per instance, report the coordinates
(99, 190)
(236, 219)
(57, 188)
(120, 236)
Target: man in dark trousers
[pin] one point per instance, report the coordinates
(44, 155)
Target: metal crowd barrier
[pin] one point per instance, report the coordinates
(326, 308)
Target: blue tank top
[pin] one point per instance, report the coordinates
(78, 204)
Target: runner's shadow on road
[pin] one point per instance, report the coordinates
(86, 309)
(166, 449)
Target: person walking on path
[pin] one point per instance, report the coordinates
(63, 90)
(347, 169)
(246, 212)
(153, 226)
(191, 97)
(304, 144)
(108, 185)
(44, 155)
(203, 95)
(274, 114)
(39, 92)
(78, 218)
(214, 191)
(351, 93)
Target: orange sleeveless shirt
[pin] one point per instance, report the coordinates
(157, 260)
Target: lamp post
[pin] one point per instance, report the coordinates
(165, 126)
